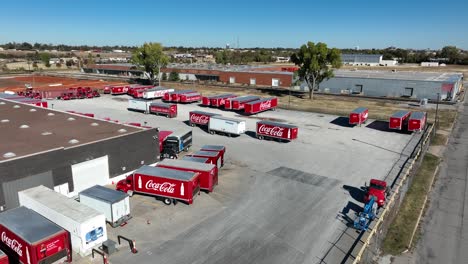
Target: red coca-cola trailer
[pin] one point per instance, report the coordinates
(208, 172)
(175, 97)
(170, 95)
(399, 119)
(205, 101)
(28, 237)
(216, 148)
(170, 185)
(3, 258)
(239, 102)
(156, 92)
(118, 90)
(219, 100)
(214, 157)
(200, 118)
(190, 97)
(276, 130)
(358, 116)
(261, 105)
(417, 121)
(169, 110)
(138, 91)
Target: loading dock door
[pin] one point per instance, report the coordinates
(90, 173)
(11, 188)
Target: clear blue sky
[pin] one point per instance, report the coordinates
(341, 23)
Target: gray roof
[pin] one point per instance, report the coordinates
(219, 96)
(213, 147)
(245, 98)
(400, 75)
(228, 119)
(178, 132)
(359, 110)
(104, 194)
(226, 68)
(165, 173)
(160, 104)
(417, 115)
(204, 113)
(205, 153)
(271, 123)
(260, 100)
(195, 159)
(187, 164)
(29, 225)
(400, 113)
(61, 204)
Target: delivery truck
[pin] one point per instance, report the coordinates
(226, 125)
(139, 105)
(157, 92)
(169, 110)
(399, 120)
(213, 156)
(87, 227)
(358, 116)
(113, 204)
(168, 185)
(261, 105)
(200, 118)
(208, 172)
(215, 148)
(30, 238)
(275, 130)
(178, 141)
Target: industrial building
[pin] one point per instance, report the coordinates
(366, 60)
(64, 151)
(120, 69)
(413, 85)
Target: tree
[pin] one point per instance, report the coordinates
(164, 76)
(151, 58)
(452, 53)
(316, 63)
(174, 77)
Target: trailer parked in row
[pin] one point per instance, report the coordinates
(113, 204)
(190, 97)
(219, 100)
(213, 156)
(166, 184)
(208, 172)
(157, 92)
(358, 116)
(200, 118)
(30, 238)
(399, 120)
(276, 130)
(169, 110)
(87, 227)
(261, 105)
(226, 125)
(417, 121)
(3, 258)
(197, 159)
(216, 148)
(237, 103)
(139, 105)
(118, 90)
(175, 96)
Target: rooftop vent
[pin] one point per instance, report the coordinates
(16, 106)
(70, 119)
(73, 141)
(24, 126)
(5, 121)
(50, 114)
(122, 130)
(9, 155)
(94, 124)
(46, 133)
(2, 103)
(32, 110)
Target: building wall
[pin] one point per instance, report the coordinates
(125, 154)
(262, 79)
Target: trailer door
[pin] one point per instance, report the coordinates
(89, 173)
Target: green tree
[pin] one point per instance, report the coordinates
(151, 58)
(316, 63)
(452, 53)
(45, 58)
(174, 76)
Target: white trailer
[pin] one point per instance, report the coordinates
(157, 92)
(139, 105)
(87, 226)
(113, 204)
(226, 125)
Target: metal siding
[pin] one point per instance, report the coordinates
(11, 189)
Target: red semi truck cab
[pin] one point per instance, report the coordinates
(378, 189)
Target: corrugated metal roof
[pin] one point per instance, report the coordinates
(186, 164)
(417, 115)
(359, 110)
(205, 153)
(399, 75)
(104, 194)
(212, 147)
(165, 173)
(400, 113)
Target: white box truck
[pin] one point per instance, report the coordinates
(113, 204)
(226, 125)
(139, 105)
(87, 226)
(157, 92)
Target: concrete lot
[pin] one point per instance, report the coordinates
(275, 202)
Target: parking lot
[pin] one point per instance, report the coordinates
(275, 202)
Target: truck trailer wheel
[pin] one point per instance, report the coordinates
(260, 137)
(167, 201)
(130, 193)
(212, 132)
(192, 124)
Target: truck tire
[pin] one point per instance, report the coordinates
(167, 201)
(192, 124)
(260, 137)
(130, 193)
(211, 132)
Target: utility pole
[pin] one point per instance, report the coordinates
(436, 122)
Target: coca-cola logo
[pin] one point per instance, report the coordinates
(199, 119)
(164, 187)
(13, 244)
(265, 105)
(272, 131)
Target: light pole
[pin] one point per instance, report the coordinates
(436, 122)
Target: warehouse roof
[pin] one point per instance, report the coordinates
(27, 129)
(400, 75)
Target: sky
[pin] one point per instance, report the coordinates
(245, 24)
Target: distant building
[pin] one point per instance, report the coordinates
(430, 64)
(282, 59)
(361, 59)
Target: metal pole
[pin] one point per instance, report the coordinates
(436, 122)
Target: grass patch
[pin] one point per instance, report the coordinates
(439, 140)
(401, 229)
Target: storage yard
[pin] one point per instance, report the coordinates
(274, 202)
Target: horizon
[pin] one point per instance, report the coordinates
(243, 24)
